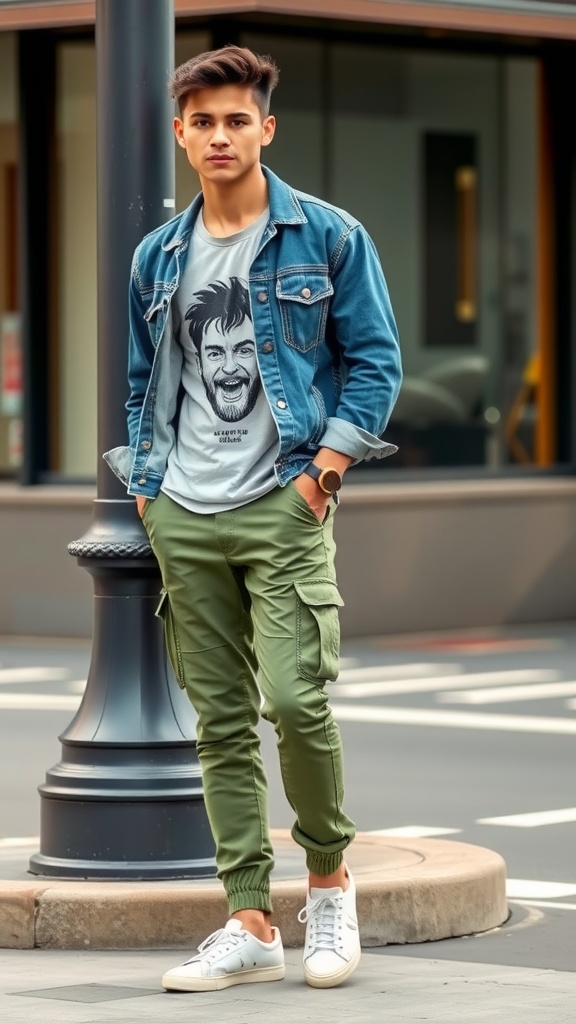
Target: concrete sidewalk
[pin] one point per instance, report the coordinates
(124, 988)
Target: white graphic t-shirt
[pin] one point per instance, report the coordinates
(227, 440)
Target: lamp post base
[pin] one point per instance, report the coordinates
(126, 799)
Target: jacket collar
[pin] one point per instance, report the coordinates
(284, 209)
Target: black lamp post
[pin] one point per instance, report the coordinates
(126, 799)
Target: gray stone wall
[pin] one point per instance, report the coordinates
(411, 557)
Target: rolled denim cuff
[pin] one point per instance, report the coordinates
(345, 437)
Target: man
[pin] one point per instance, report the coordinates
(263, 361)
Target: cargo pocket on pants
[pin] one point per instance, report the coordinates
(164, 612)
(317, 629)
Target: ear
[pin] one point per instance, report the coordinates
(179, 131)
(268, 129)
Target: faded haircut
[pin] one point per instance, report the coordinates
(230, 65)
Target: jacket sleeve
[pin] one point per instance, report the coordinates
(140, 355)
(367, 339)
(140, 359)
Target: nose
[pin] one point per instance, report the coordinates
(230, 364)
(220, 136)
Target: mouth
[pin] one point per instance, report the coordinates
(231, 390)
(220, 159)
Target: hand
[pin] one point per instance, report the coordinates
(313, 495)
(141, 501)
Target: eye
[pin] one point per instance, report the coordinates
(199, 123)
(237, 123)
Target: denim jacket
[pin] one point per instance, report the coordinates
(326, 339)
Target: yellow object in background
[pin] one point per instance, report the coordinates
(531, 372)
(526, 397)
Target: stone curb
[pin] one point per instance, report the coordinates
(409, 890)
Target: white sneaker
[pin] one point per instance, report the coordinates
(230, 956)
(332, 944)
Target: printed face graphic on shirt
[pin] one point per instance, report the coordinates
(221, 330)
(230, 372)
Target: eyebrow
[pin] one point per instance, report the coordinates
(238, 113)
(215, 347)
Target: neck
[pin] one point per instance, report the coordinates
(229, 208)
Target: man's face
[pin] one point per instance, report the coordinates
(229, 370)
(222, 131)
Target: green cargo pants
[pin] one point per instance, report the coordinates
(250, 608)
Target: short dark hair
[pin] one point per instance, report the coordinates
(224, 304)
(230, 65)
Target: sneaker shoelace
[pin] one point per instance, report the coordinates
(211, 948)
(325, 918)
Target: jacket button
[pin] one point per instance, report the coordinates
(281, 404)
(267, 346)
(305, 293)
(146, 445)
(262, 297)
(142, 480)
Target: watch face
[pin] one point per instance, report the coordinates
(330, 481)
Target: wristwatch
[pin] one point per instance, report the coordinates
(327, 478)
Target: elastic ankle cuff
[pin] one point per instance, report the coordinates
(249, 900)
(323, 863)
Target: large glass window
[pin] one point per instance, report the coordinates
(76, 408)
(437, 155)
(76, 236)
(10, 346)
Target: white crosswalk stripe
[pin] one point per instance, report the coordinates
(18, 842)
(414, 831)
(548, 904)
(34, 674)
(510, 694)
(414, 670)
(377, 714)
(39, 702)
(534, 819)
(428, 684)
(527, 888)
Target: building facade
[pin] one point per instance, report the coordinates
(446, 129)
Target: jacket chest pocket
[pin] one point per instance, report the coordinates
(304, 298)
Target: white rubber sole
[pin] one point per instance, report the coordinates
(332, 980)
(177, 984)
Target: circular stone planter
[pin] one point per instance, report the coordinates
(408, 890)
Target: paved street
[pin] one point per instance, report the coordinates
(468, 737)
